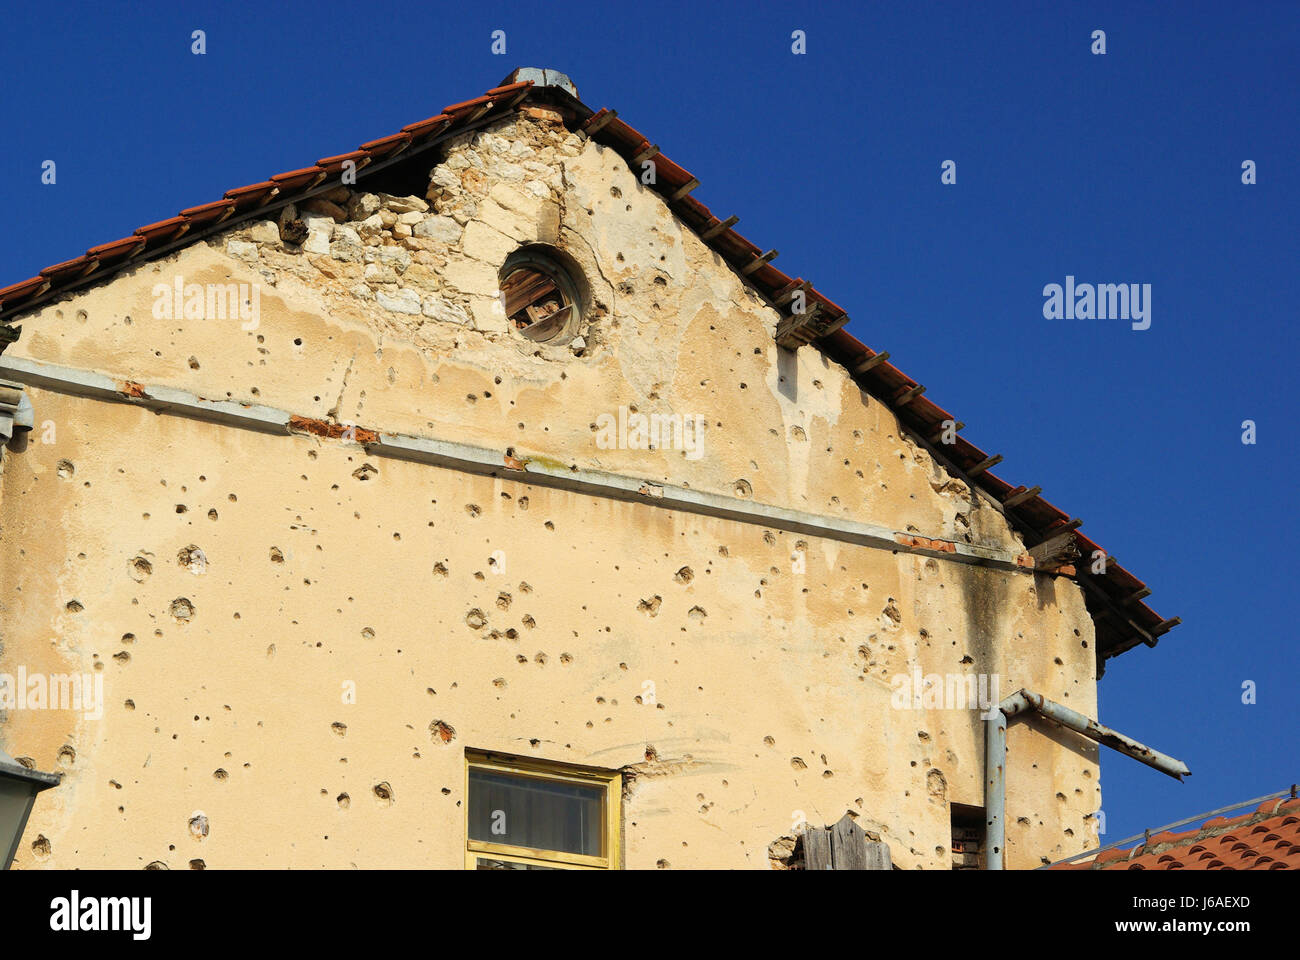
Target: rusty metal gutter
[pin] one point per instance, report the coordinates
(995, 758)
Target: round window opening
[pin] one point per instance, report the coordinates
(540, 297)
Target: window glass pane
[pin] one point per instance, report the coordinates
(542, 814)
(486, 863)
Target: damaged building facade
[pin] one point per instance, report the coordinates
(473, 499)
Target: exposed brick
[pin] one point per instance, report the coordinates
(331, 431)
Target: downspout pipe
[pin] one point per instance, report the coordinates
(995, 758)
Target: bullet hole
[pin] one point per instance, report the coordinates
(528, 622)
(340, 729)
(156, 865)
(440, 569)
(139, 568)
(365, 472)
(499, 682)
(198, 865)
(344, 801)
(182, 609)
(743, 489)
(697, 613)
(684, 575)
(73, 606)
(523, 503)
(122, 657)
(475, 619)
(192, 558)
(129, 704)
(651, 606)
(442, 731)
(551, 526)
(212, 514)
(181, 508)
(566, 658)
(220, 774)
(473, 509)
(194, 363)
(798, 764)
(384, 794)
(891, 611)
(65, 469)
(936, 784)
(41, 847)
(198, 826)
(770, 741)
(503, 601)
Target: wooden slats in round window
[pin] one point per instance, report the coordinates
(538, 296)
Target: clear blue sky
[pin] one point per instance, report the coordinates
(1117, 168)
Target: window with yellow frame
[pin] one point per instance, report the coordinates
(525, 814)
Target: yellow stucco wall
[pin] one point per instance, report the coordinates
(773, 686)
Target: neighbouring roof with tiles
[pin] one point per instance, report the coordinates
(1266, 839)
(1114, 598)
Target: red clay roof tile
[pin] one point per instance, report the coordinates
(332, 165)
(213, 212)
(163, 230)
(23, 288)
(468, 106)
(253, 195)
(117, 248)
(1260, 840)
(509, 88)
(385, 146)
(299, 179)
(68, 269)
(432, 124)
